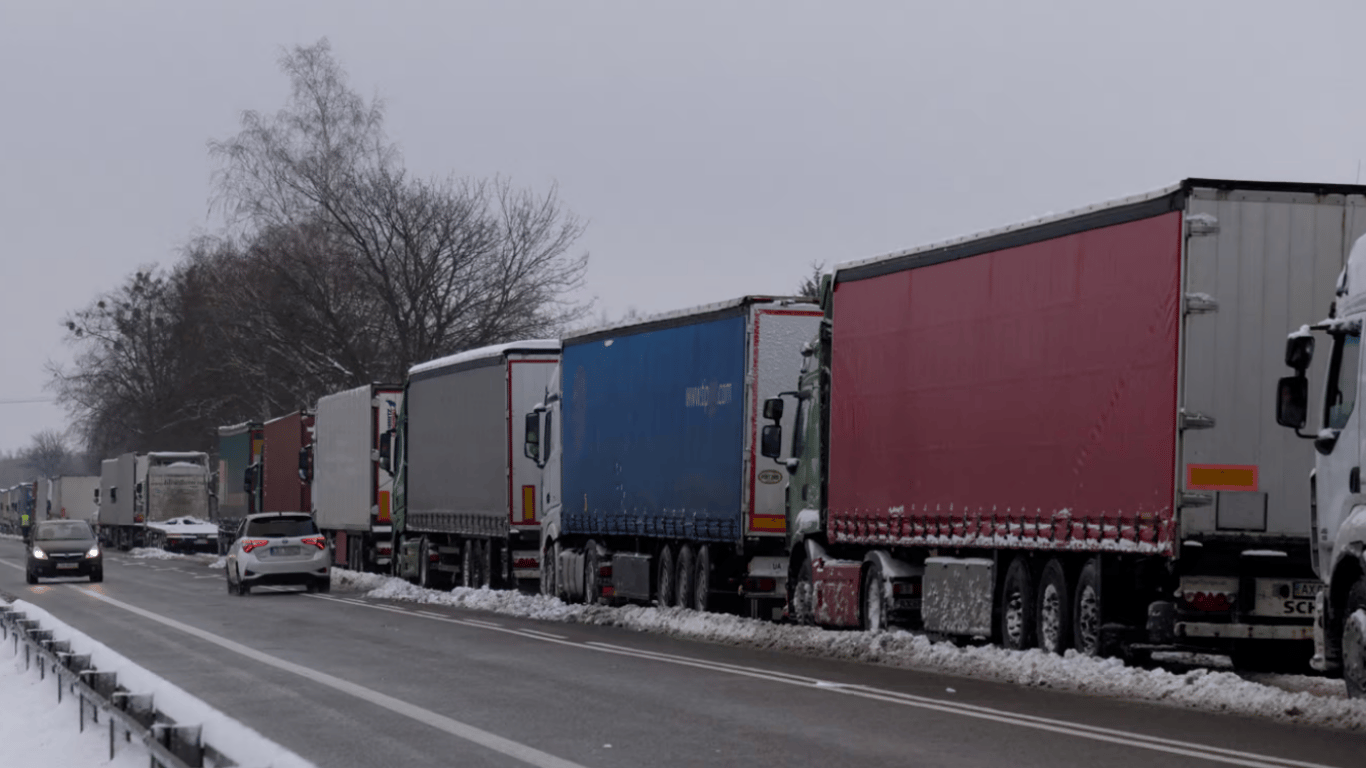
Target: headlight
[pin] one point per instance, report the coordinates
(39, 554)
(94, 552)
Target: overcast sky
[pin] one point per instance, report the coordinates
(715, 148)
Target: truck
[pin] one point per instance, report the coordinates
(116, 495)
(352, 491)
(1049, 434)
(282, 471)
(1332, 489)
(69, 497)
(240, 447)
(170, 491)
(465, 497)
(649, 439)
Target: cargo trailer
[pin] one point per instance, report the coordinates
(351, 490)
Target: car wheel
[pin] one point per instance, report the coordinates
(684, 582)
(325, 584)
(30, 577)
(874, 600)
(1354, 641)
(665, 579)
(1054, 604)
(97, 576)
(1017, 607)
(1086, 610)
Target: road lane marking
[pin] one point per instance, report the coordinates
(516, 750)
(482, 623)
(539, 633)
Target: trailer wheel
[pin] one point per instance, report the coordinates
(425, 578)
(1017, 607)
(665, 579)
(1054, 625)
(550, 563)
(1354, 641)
(874, 613)
(592, 595)
(1086, 610)
(687, 573)
(802, 598)
(702, 580)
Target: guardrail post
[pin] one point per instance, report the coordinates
(183, 741)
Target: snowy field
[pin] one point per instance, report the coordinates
(42, 731)
(1286, 698)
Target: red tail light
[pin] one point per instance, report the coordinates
(760, 584)
(1209, 601)
(316, 541)
(605, 570)
(251, 544)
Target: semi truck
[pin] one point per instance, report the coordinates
(69, 497)
(150, 491)
(648, 436)
(351, 490)
(281, 469)
(465, 497)
(1051, 434)
(1337, 519)
(240, 447)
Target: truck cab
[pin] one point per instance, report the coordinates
(542, 445)
(1338, 505)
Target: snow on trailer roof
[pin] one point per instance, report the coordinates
(178, 455)
(493, 350)
(679, 314)
(869, 267)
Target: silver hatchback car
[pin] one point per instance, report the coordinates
(279, 548)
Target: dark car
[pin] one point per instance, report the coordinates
(64, 548)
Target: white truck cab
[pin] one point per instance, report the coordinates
(1338, 505)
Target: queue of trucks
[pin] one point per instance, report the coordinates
(1055, 435)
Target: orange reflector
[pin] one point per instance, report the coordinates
(767, 523)
(384, 506)
(528, 503)
(1221, 477)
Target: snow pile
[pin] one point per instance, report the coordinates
(219, 564)
(36, 725)
(1311, 701)
(244, 745)
(153, 553)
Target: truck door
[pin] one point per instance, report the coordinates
(1339, 442)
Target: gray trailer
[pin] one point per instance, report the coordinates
(68, 497)
(466, 498)
(352, 492)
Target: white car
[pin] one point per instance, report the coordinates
(184, 534)
(279, 548)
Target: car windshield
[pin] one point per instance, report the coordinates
(63, 531)
(276, 527)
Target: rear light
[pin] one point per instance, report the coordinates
(316, 541)
(609, 591)
(760, 584)
(1209, 601)
(526, 562)
(906, 588)
(384, 549)
(605, 571)
(251, 544)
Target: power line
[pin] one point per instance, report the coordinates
(26, 400)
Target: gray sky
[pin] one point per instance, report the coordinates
(716, 148)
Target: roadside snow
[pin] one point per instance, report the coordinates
(219, 564)
(244, 745)
(1311, 701)
(153, 553)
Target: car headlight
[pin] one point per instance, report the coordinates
(39, 554)
(94, 552)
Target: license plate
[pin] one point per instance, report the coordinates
(67, 566)
(284, 550)
(201, 541)
(1307, 589)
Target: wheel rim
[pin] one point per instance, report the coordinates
(873, 607)
(1088, 621)
(1050, 619)
(1354, 652)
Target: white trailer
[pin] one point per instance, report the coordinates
(68, 497)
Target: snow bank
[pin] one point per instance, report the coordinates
(1286, 698)
(153, 553)
(244, 745)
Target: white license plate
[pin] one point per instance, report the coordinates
(284, 550)
(68, 566)
(1307, 589)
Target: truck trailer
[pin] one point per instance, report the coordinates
(1054, 434)
(465, 497)
(352, 491)
(649, 439)
(69, 497)
(281, 470)
(240, 447)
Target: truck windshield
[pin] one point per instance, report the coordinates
(1342, 380)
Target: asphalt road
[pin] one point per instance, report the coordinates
(346, 681)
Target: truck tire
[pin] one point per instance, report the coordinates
(550, 563)
(874, 614)
(664, 580)
(701, 594)
(425, 577)
(686, 578)
(1017, 606)
(1054, 604)
(591, 594)
(1086, 615)
(1354, 640)
(467, 578)
(801, 601)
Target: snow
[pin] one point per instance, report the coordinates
(244, 745)
(152, 553)
(1302, 333)
(494, 350)
(1286, 698)
(1202, 218)
(1264, 553)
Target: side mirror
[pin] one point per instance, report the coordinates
(771, 440)
(773, 409)
(1326, 441)
(1292, 401)
(97, 495)
(531, 445)
(1299, 351)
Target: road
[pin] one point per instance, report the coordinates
(347, 681)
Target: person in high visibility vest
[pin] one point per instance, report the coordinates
(24, 525)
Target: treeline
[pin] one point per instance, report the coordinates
(337, 267)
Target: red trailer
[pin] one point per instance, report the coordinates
(1054, 434)
(285, 486)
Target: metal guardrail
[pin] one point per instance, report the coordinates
(134, 715)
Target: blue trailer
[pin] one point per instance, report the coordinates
(649, 437)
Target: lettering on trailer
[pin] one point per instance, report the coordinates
(1221, 477)
(708, 395)
(390, 414)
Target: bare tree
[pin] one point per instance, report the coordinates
(48, 454)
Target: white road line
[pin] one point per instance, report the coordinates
(538, 633)
(516, 750)
(482, 623)
(433, 615)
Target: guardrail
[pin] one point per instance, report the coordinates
(134, 715)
